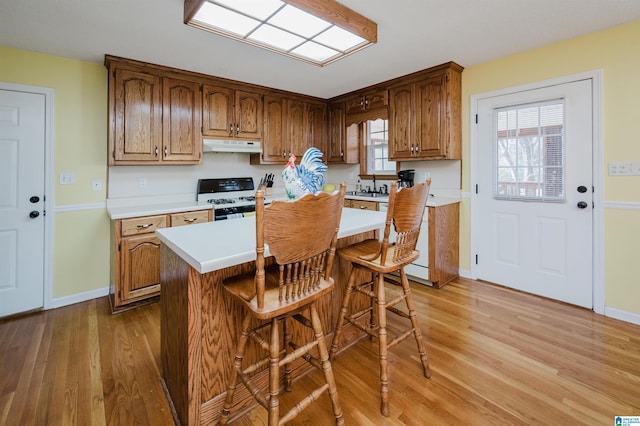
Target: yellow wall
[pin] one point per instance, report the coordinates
(81, 238)
(612, 51)
(81, 259)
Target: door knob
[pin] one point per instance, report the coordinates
(582, 204)
(34, 199)
(582, 189)
(34, 214)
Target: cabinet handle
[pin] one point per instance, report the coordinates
(284, 155)
(193, 219)
(145, 226)
(363, 207)
(165, 151)
(237, 129)
(156, 151)
(231, 129)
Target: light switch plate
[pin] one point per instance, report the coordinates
(624, 169)
(67, 178)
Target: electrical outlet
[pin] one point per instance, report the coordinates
(142, 183)
(67, 178)
(96, 184)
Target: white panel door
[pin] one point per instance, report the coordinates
(22, 140)
(535, 191)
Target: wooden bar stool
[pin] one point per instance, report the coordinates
(406, 208)
(301, 236)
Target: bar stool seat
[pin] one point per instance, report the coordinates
(301, 236)
(405, 212)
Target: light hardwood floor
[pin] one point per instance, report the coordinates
(498, 357)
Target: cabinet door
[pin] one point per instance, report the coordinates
(317, 128)
(355, 104)
(376, 100)
(141, 267)
(431, 117)
(217, 111)
(401, 122)
(137, 117)
(248, 115)
(273, 139)
(181, 121)
(297, 140)
(337, 134)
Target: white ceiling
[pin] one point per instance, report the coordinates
(412, 35)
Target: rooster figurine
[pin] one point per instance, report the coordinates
(308, 177)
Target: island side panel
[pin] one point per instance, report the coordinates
(180, 348)
(444, 222)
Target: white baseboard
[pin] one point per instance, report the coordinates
(622, 315)
(78, 297)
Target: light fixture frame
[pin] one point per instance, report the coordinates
(329, 10)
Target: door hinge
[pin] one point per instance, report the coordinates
(476, 259)
(476, 188)
(476, 118)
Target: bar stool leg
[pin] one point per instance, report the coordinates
(343, 313)
(382, 344)
(237, 366)
(326, 364)
(414, 323)
(274, 374)
(287, 367)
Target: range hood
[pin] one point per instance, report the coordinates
(225, 145)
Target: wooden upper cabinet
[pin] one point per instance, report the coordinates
(136, 111)
(154, 118)
(367, 101)
(340, 148)
(425, 116)
(229, 113)
(296, 139)
(401, 122)
(317, 128)
(273, 137)
(181, 121)
(291, 125)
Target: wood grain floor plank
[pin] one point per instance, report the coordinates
(497, 356)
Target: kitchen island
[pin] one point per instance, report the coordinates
(199, 325)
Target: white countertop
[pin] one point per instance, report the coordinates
(215, 245)
(432, 201)
(124, 212)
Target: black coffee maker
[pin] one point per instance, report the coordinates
(405, 178)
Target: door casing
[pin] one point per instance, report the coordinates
(48, 183)
(597, 166)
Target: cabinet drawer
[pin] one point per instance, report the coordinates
(188, 218)
(143, 225)
(364, 205)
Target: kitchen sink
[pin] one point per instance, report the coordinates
(366, 194)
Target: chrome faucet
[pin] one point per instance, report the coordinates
(374, 183)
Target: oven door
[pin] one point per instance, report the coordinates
(224, 213)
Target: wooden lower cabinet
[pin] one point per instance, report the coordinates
(135, 255)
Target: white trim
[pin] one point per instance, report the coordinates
(622, 205)
(598, 176)
(49, 150)
(622, 315)
(78, 297)
(80, 207)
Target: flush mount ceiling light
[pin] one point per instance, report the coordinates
(316, 31)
